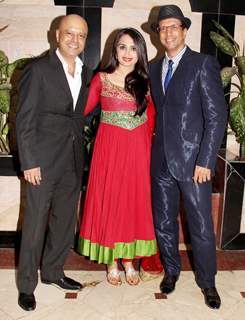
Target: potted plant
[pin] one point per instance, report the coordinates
(6, 71)
(226, 43)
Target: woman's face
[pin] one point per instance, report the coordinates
(126, 51)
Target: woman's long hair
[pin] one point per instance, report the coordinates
(137, 81)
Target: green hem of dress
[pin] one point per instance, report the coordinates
(106, 255)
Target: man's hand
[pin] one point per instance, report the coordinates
(201, 174)
(33, 176)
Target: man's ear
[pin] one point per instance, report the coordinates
(185, 32)
(57, 35)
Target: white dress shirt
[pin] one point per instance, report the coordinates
(76, 81)
(175, 60)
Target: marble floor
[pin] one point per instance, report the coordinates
(101, 301)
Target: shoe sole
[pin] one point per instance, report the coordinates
(208, 305)
(60, 288)
(213, 308)
(167, 293)
(26, 309)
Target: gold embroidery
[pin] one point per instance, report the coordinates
(123, 119)
(111, 90)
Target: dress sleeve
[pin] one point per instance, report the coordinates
(151, 113)
(94, 94)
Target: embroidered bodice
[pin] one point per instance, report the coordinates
(117, 106)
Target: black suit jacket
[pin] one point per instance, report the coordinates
(191, 117)
(49, 131)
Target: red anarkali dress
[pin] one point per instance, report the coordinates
(117, 219)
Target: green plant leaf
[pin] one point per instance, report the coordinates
(240, 62)
(228, 45)
(223, 44)
(3, 59)
(5, 130)
(18, 64)
(4, 100)
(226, 74)
(237, 117)
(226, 34)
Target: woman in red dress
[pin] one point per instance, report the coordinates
(117, 220)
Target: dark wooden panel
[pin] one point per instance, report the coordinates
(9, 165)
(207, 46)
(91, 55)
(232, 7)
(219, 6)
(85, 3)
(207, 6)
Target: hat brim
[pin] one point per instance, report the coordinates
(185, 21)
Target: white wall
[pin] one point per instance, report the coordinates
(28, 23)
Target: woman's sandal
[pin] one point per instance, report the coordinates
(147, 276)
(132, 276)
(113, 276)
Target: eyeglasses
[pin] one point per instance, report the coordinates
(172, 28)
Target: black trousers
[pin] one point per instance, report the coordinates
(197, 202)
(52, 204)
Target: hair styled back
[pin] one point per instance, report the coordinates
(137, 81)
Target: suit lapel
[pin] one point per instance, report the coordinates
(181, 66)
(82, 96)
(60, 76)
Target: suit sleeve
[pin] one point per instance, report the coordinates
(26, 118)
(214, 110)
(94, 94)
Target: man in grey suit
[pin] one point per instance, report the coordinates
(190, 124)
(52, 95)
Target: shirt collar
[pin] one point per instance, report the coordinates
(78, 61)
(177, 57)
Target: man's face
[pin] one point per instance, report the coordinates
(172, 35)
(71, 36)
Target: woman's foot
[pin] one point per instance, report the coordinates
(132, 276)
(147, 276)
(113, 275)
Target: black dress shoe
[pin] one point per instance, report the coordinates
(65, 283)
(212, 298)
(168, 283)
(27, 301)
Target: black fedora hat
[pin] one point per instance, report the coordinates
(170, 11)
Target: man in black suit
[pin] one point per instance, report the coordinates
(52, 95)
(190, 124)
